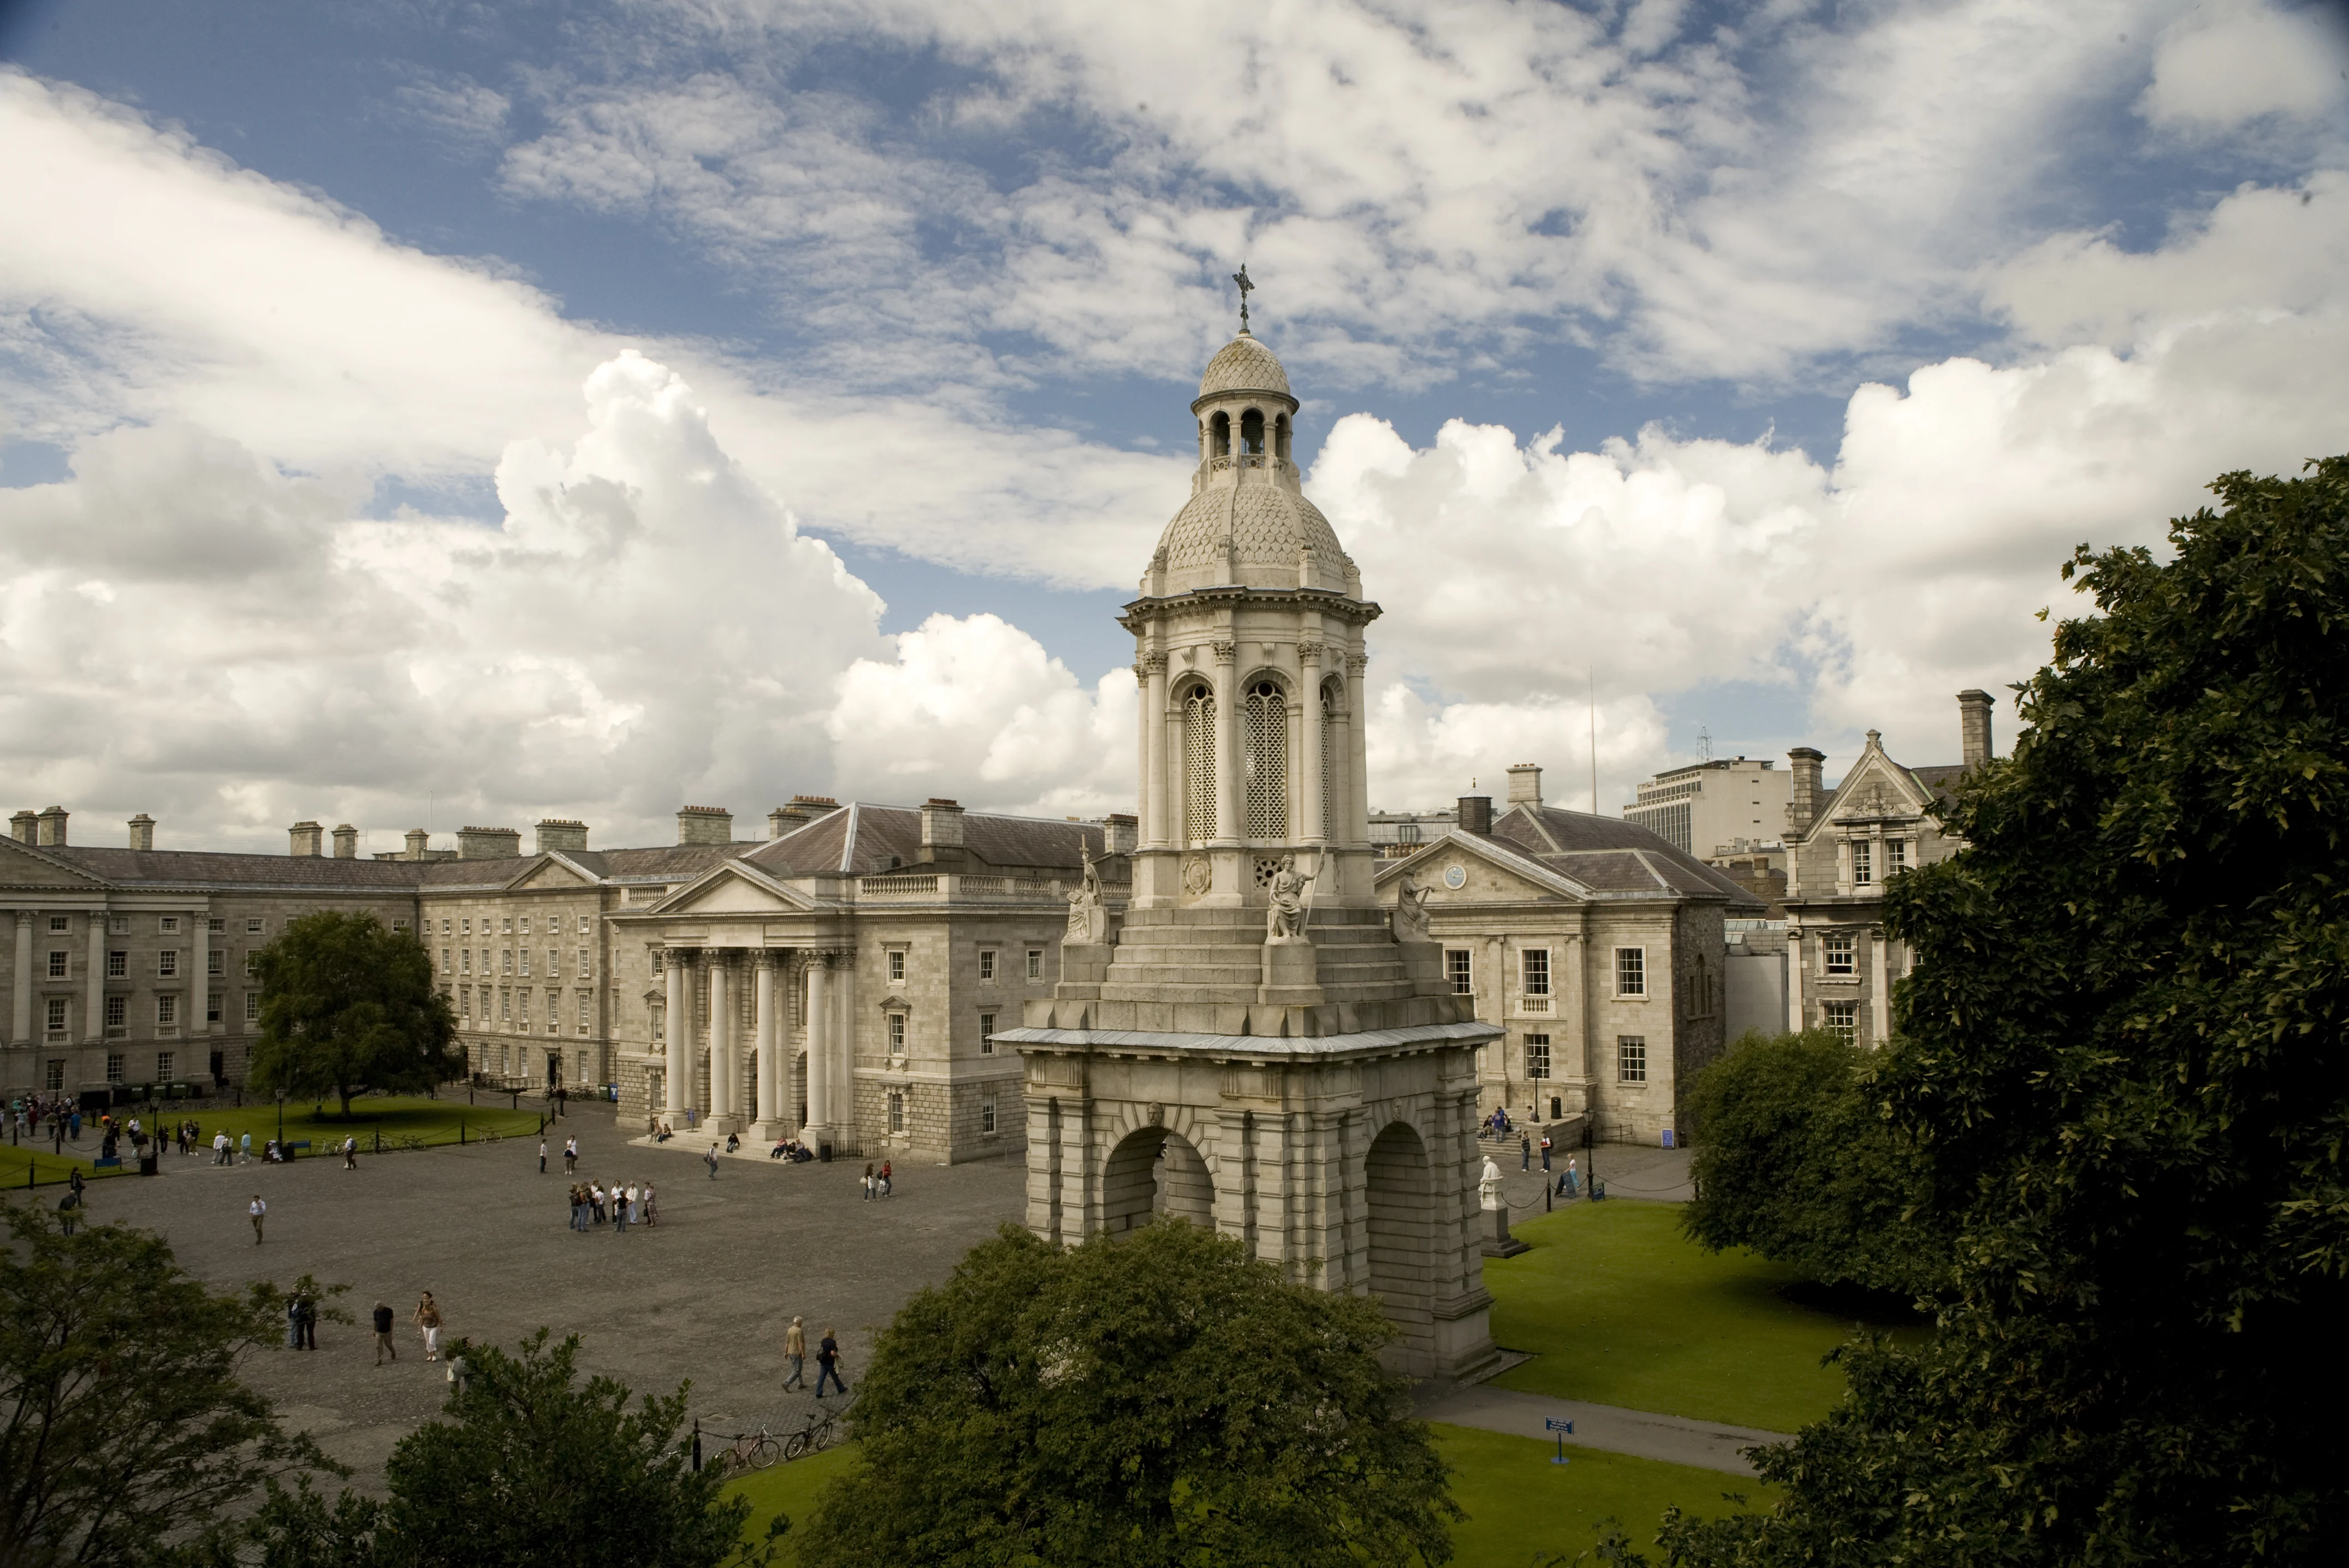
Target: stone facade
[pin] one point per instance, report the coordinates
(1597, 948)
(1842, 847)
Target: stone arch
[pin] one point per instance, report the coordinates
(1219, 436)
(1400, 1214)
(1195, 702)
(1264, 753)
(1155, 1170)
(1252, 432)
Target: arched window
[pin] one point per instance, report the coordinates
(1219, 436)
(1252, 433)
(1267, 761)
(1199, 764)
(1332, 763)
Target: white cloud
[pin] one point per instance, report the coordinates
(2235, 61)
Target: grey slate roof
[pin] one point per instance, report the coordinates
(1613, 855)
(203, 868)
(863, 840)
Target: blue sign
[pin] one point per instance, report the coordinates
(1555, 1425)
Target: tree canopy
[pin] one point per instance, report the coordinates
(347, 1006)
(2120, 1056)
(1795, 1160)
(529, 1466)
(1157, 1399)
(123, 1423)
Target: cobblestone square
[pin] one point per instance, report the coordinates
(704, 1295)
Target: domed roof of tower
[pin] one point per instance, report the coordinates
(1244, 364)
(1268, 527)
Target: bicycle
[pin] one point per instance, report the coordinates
(821, 1431)
(754, 1451)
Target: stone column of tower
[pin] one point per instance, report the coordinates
(1257, 1025)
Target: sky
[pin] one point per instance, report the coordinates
(433, 414)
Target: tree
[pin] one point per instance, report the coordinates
(348, 1006)
(1155, 1398)
(1795, 1160)
(2121, 1059)
(122, 1420)
(531, 1467)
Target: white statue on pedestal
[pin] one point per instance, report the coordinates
(1088, 921)
(1410, 911)
(1290, 890)
(1488, 1184)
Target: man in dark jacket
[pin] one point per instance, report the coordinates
(383, 1344)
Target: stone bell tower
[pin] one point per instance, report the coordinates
(1252, 1047)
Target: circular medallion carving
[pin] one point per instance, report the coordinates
(1198, 876)
(1455, 876)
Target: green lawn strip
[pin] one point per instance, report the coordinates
(790, 1489)
(1523, 1509)
(47, 1167)
(395, 1118)
(1518, 1502)
(1621, 1309)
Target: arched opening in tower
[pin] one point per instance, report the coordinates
(1403, 1239)
(1156, 1172)
(1219, 436)
(1252, 433)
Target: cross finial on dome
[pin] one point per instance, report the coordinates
(1241, 278)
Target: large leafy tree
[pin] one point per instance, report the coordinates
(347, 1006)
(1158, 1398)
(1795, 1160)
(529, 1465)
(2122, 1060)
(123, 1423)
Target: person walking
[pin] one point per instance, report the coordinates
(1571, 1184)
(649, 1214)
(1545, 1149)
(795, 1352)
(260, 1212)
(426, 1318)
(1524, 1152)
(293, 1321)
(308, 1323)
(619, 1209)
(350, 1151)
(710, 1160)
(827, 1363)
(886, 1181)
(542, 1156)
(220, 1149)
(383, 1344)
(244, 1147)
(868, 1180)
(570, 1156)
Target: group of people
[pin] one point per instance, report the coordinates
(592, 1204)
(790, 1149)
(827, 1358)
(63, 1116)
(876, 1182)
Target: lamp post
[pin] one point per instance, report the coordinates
(281, 1124)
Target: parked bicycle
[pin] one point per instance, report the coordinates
(754, 1451)
(822, 1429)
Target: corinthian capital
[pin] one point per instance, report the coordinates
(1309, 653)
(1227, 651)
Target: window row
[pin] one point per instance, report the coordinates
(584, 958)
(508, 1006)
(552, 924)
(1264, 761)
(1534, 971)
(1863, 859)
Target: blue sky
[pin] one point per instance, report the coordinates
(1764, 359)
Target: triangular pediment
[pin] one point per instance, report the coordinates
(1876, 787)
(21, 866)
(552, 871)
(734, 889)
(1487, 872)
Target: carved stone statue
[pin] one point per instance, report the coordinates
(1088, 921)
(1489, 1185)
(1410, 911)
(1285, 919)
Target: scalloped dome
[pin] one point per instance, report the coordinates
(1267, 525)
(1244, 364)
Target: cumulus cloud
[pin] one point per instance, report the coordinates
(2228, 64)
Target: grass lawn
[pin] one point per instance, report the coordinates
(393, 1116)
(1518, 1502)
(1621, 1309)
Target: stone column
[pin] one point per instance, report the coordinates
(770, 1125)
(1354, 797)
(94, 1005)
(677, 1027)
(200, 977)
(1794, 976)
(1880, 985)
(843, 1113)
(724, 1069)
(1155, 806)
(1231, 789)
(818, 1131)
(21, 1008)
(1317, 828)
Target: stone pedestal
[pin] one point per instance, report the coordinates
(1292, 973)
(1423, 965)
(1084, 966)
(1493, 1232)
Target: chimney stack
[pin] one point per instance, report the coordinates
(705, 825)
(308, 838)
(941, 830)
(142, 832)
(1477, 815)
(1973, 727)
(558, 835)
(1525, 785)
(488, 844)
(1809, 763)
(22, 827)
(781, 820)
(50, 826)
(418, 841)
(1123, 833)
(346, 841)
